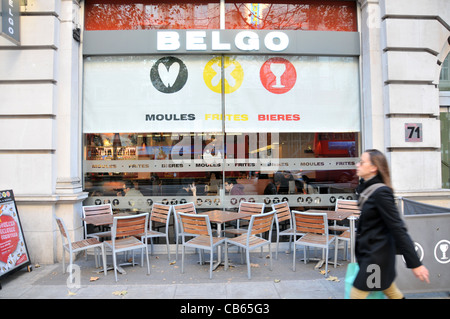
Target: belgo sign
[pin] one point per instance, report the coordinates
(10, 20)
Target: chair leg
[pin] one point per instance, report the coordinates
(104, 259)
(182, 259)
(148, 260)
(293, 264)
(168, 247)
(115, 264)
(270, 254)
(276, 252)
(176, 247)
(64, 261)
(336, 247)
(247, 252)
(226, 255)
(211, 262)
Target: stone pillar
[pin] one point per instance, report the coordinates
(371, 76)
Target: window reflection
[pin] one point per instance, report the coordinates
(292, 15)
(147, 14)
(201, 14)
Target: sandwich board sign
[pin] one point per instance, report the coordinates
(13, 249)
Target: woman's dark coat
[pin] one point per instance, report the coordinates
(381, 233)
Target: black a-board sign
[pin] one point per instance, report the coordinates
(13, 249)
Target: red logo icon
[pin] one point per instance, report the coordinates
(278, 75)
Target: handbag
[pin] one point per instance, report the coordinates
(350, 275)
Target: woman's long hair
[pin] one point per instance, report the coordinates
(379, 160)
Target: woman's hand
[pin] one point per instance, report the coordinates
(421, 272)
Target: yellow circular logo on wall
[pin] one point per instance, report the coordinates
(233, 74)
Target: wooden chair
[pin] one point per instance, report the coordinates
(200, 227)
(82, 245)
(188, 208)
(259, 224)
(283, 214)
(160, 214)
(123, 233)
(95, 210)
(247, 208)
(345, 205)
(314, 226)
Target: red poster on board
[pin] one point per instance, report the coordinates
(13, 250)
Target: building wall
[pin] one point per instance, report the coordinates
(403, 42)
(40, 124)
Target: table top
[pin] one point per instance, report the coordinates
(220, 216)
(333, 215)
(99, 220)
(103, 219)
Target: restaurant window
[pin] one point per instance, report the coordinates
(279, 128)
(294, 138)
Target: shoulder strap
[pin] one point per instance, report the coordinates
(367, 192)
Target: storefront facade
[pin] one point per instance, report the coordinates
(278, 98)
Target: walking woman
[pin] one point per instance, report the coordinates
(381, 233)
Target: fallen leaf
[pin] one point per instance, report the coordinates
(254, 265)
(120, 293)
(333, 278)
(94, 278)
(173, 262)
(69, 293)
(323, 272)
(277, 280)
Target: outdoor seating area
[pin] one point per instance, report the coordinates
(200, 231)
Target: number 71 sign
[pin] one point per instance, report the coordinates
(413, 132)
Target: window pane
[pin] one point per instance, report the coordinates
(292, 15)
(147, 14)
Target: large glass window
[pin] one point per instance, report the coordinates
(278, 128)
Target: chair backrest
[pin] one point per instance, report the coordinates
(188, 208)
(195, 224)
(261, 223)
(161, 214)
(347, 205)
(125, 226)
(94, 210)
(64, 234)
(305, 222)
(283, 211)
(251, 208)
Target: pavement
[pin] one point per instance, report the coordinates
(167, 282)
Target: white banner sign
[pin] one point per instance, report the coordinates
(291, 164)
(184, 94)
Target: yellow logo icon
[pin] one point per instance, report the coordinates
(233, 74)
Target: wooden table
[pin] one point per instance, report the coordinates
(221, 217)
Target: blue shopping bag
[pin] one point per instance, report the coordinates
(352, 271)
